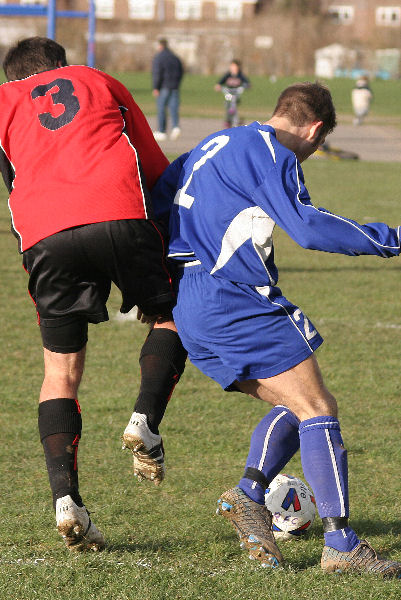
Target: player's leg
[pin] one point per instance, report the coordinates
(62, 295)
(62, 374)
(324, 462)
(134, 258)
(274, 442)
(282, 372)
(302, 390)
(276, 438)
(60, 426)
(60, 422)
(215, 342)
(162, 362)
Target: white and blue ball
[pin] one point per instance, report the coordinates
(292, 505)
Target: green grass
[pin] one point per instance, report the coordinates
(198, 97)
(166, 543)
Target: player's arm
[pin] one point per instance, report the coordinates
(7, 171)
(152, 159)
(288, 204)
(164, 191)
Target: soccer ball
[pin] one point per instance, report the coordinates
(293, 507)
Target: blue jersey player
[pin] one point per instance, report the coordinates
(227, 195)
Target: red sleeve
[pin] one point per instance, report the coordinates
(152, 159)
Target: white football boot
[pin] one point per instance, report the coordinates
(76, 527)
(146, 447)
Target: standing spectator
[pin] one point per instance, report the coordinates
(167, 72)
(361, 97)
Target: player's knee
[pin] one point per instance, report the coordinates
(165, 344)
(64, 338)
(317, 406)
(63, 373)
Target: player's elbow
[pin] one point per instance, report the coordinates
(310, 242)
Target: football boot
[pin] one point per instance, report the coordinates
(146, 447)
(76, 528)
(253, 524)
(362, 559)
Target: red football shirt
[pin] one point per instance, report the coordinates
(81, 151)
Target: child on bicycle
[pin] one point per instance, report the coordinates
(233, 78)
(232, 84)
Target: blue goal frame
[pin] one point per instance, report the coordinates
(50, 11)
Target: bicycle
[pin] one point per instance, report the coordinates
(232, 99)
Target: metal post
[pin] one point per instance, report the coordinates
(91, 33)
(51, 19)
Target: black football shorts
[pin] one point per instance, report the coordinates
(70, 275)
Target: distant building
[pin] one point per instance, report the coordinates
(272, 37)
(332, 59)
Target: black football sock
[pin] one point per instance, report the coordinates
(162, 363)
(60, 427)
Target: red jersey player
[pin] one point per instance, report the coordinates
(79, 159)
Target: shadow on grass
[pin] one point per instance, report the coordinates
(303, 557)
(366, 529)
(297, 556)
(334, 269)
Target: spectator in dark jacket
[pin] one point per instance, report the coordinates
(167, 72)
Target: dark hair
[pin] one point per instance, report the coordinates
(33, 55)
(163, 42)
(305, 102)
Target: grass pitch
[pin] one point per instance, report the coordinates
(198, 98)
(166, 543)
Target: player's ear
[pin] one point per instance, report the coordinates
(314, 130)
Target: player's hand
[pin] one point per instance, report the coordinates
(150, 319)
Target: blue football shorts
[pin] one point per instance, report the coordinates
(235, 331)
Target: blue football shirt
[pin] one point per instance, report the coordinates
(230, 191)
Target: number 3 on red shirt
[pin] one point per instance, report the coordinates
(65, 96)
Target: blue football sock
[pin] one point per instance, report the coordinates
(325, 466)
(343, 540)
(274, 442)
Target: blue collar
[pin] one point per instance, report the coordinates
(267, 128)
